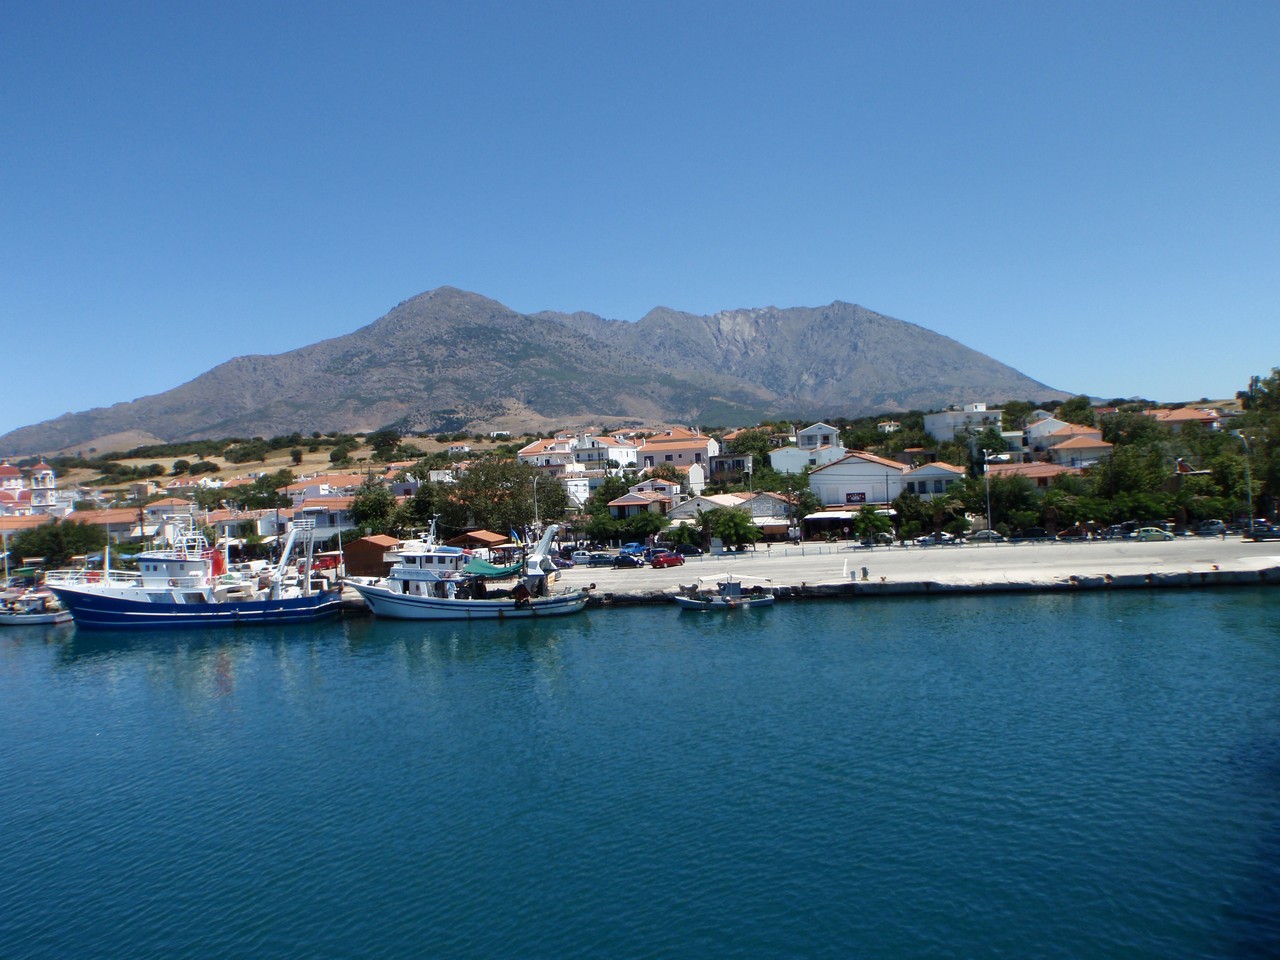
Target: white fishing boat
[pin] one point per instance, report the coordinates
(729, 595)
(431, 581)
(31, 608)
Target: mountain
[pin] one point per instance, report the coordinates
(451, 360)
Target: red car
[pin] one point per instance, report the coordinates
(666, 560)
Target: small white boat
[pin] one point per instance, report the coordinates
(32, 608)
(729, 595)
(430, 581)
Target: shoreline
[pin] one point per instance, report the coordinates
(933, 588)
(824, 571)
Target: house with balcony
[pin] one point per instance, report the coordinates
(594, 452)
(677, 447)
(930, 480)
(630, 504)
(1175, 420)
(553, 456)
(1079, 451)
(323, 485)
(1036, 435)
(332, 514)
(816, 445)
(971, 418)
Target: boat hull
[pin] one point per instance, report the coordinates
(34, 619)
(101, 612)
(398, 606)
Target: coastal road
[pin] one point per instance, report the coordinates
(969, 564)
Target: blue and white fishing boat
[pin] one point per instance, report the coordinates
(185, 584)
(431, 581)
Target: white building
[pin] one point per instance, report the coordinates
(862, 478)
(973, 417)
(857, 478)
(816, 445)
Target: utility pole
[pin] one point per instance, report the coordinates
(1248, 482)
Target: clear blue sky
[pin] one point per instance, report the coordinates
(1089, 192)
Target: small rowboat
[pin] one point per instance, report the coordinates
(729, 595)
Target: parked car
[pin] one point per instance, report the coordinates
(688, 550)
(661, 560)
(1211, 528)
(1263, 531)
(626, 560)
(1152, 533)
(985, 536)
(600, 560)
(562, 564)
(580, 556)
(632, 549)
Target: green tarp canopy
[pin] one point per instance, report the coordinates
(482, 568)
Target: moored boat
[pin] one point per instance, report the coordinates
(728, 595)
(431, 581)
(185, 584)
(31, 608)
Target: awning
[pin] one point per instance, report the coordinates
(479, 567)
(848, 514)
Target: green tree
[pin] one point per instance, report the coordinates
(755, 443)
(733, 525)
(373, 507)
(1126, 427)
(665, 471)
(1014, 414)
(1079, 410)
(640, 526)
(58, 541)
(869, 523)
(499, 495)
(1014, 504)
(384, 443)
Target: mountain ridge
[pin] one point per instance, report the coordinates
(449, 359)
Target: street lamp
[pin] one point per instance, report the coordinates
(986, 478)
(986, 481)
(1248, 482)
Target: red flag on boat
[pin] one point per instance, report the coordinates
(219, 564)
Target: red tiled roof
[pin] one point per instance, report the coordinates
(1081, 443)
(1032, 470)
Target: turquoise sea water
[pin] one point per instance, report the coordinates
(1095, 775)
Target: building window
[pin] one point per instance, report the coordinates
(669, 457)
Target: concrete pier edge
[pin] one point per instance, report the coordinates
(865, 589)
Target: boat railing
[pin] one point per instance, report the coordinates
(79, 576)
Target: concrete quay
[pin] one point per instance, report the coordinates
(824, 571)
